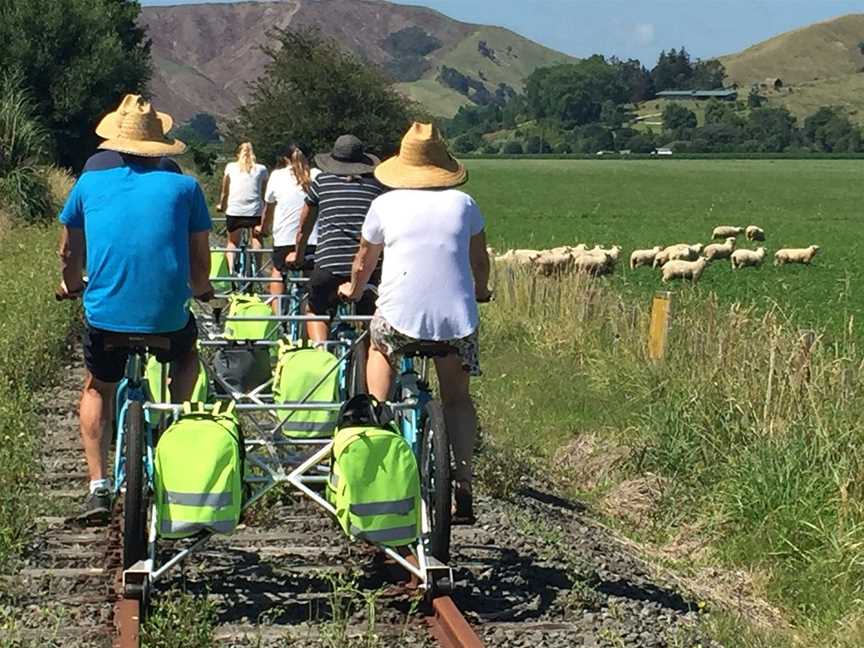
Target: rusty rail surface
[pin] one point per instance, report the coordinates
(449, 627)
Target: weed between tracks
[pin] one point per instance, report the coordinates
(738, 435)
(179, 620)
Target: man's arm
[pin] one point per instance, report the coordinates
(480, 266)
(364, 265)
(71, 261)
(223, 199)
(199, 263)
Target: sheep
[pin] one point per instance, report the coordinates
(684, 269)
(564, 249)
(755, 233)
(795, 255)
(593, 263)
(725, 231)
(663, 256)
(745, 258)
(686, 253)
(518, 257)
(717, 251)
(613, 253)
(550, 264)
(644, 257)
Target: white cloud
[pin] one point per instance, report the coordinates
(644, 34)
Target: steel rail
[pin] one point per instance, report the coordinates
(449, 628)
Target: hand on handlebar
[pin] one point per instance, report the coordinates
(63, 293)
(294, 261)
(207, 295)
(345, 293)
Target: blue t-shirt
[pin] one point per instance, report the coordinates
(137, 223)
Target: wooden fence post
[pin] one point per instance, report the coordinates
(658, 332)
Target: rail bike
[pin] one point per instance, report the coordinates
(288, 443)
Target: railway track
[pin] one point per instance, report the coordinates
(533, 572)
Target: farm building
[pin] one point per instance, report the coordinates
(772, 83)
(699, 95)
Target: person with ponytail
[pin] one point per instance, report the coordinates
(242, 198)
(285, 198)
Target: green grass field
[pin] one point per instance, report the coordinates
(639, 204)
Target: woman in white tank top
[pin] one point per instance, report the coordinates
(242, 199)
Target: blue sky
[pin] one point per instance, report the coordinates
(639, 28)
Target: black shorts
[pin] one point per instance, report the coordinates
(234, 223)
(281, 251)
(109, 365)
(324, 298)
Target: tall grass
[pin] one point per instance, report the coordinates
(756, 438)
(24, 145)
(34, 337)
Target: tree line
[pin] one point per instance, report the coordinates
(588, 106)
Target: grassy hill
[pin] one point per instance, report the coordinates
(205, 55)
(819, 65)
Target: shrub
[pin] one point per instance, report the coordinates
(513, 148)
(24, 144)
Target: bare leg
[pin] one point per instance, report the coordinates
(257, 244)
(97, 404)
(379, 374)
(277, 288)
(232, 243)
(186, 370)
(317, 331)
(460, 416)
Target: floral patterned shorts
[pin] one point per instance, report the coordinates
(390, 341)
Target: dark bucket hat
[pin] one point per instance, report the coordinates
(348, 157)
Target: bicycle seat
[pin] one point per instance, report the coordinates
(427, 350)
(137, 341)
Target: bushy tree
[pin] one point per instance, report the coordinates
(677, 119)
(77, 58)
(513, 147)
(707, 75)
(774, 126)
(467, 143)
(574, 94)
(201, 129)
(312, 91)
(642, 143)
(673, 70)
(536, 145)
(637, 78)
(830, 130)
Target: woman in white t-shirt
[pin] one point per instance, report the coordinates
(242, 199)
(435, 271)
(285, 198)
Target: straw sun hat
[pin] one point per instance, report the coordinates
(136, 128)
(423, 162)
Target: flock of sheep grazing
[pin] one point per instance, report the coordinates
(679, 261)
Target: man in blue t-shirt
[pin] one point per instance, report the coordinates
(145, 229)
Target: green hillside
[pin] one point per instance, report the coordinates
(510, 59)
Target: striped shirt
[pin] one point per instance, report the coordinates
(342, 203)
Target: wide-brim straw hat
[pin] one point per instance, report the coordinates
(348, 158)
(423, 162)
(135, 128)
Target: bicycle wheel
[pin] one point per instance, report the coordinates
(435, 480)
(135, 501)
(357, 372)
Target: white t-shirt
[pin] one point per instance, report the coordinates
(244, 192)
(427, 287)
(285, 192)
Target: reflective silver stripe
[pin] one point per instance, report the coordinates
(213, 500)
(298, 426)
(334, 480)
(385, 535)
(178, 526)
(399, 507)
